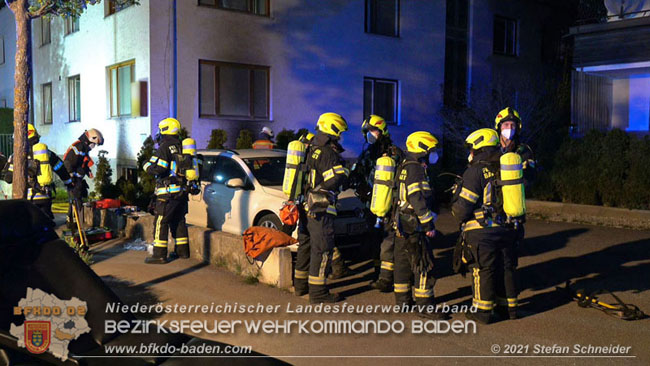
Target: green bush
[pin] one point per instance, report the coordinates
(103, 175)
(284, 138)
(218, 138)
(599, 169)
(245, 139)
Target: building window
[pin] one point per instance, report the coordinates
(2, 50)
(113, 6)
(71, 24)
(380, 98)
(505, 36)
(74, 98)
(382, 17)
(456, 60)
(233, 90)
(47, 103)
(257, 7)
(128, 173)
(120, 78)
(45, 31)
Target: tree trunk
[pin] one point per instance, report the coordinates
(21, 96)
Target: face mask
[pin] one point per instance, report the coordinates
(508, 134)
(370, 138)
(469, 158)
(433, 158)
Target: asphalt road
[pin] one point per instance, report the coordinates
(592, 257)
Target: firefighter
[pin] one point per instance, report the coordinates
(489, 245)
(171, 197)
(265, 139)
(301, 272)
(414, 224)
(39, 192)
(327, 177)
(508, 125)
(78, 163)
(378, 144)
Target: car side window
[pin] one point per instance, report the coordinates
(225, 169)
(207, 168)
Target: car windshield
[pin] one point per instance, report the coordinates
(269, 171)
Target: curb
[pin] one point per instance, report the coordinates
(588, 214)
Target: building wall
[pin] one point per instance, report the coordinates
(318, 57)
(100, 42)
(8, 34)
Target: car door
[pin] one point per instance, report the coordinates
(197, 207)
(227, 207)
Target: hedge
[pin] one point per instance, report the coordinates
(6, 121)
(607, 169)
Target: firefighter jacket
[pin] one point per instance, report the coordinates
(34, 190)
(472, 194)
(527, 159)
(76, 158)
(415, 197)
(162, 165)
(361, 176)
(327, 170)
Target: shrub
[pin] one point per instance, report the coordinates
(103, 175)
(218, 138)
(6, 121)
(245, 139)
(284, 138)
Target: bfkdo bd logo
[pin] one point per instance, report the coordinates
(37, 336)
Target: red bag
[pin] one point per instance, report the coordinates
(259, 240)
(108, 203)
(289, 214)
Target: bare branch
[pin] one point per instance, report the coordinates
(46, 8)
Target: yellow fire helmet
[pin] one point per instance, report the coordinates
(31, 131)
(507, 114)
(421, 142)
(169, 126)
(306, 138)
(482, 138)
(332, 124)
(375, 121)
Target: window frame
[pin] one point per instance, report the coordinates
(45, 120)
(48, 21)
(368, 19)
(111, 7)
(70, 98)
(396, 121)
(251, 91)
(515, 28)
(2, 50)
(69, 23)
(250, 6)
(110, 87)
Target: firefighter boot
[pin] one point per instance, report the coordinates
(382, 284)
(159, 256)
(183, 251)
(300, 286)
(404, 299)
(481, 316)
(319, 294)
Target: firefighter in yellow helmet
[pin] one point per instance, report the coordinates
(488, 245)
(508, 125)
(41, 162)
(326, 178)
(377, 144)
(171, 193)
(78, 163)
(415, 214)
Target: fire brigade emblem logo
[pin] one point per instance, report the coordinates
(37, 336)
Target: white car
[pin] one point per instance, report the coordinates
(243, 188)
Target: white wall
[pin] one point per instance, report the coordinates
(8, 34)
(318, 56)
(100, 42)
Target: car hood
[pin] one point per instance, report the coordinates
(275, 191)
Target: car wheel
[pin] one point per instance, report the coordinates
(271, 221)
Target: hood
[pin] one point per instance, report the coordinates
(275, 191)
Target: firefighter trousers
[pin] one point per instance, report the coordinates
(170, 216)
(301, 272)
(493, 267)
(405, 275)
(321, 243)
